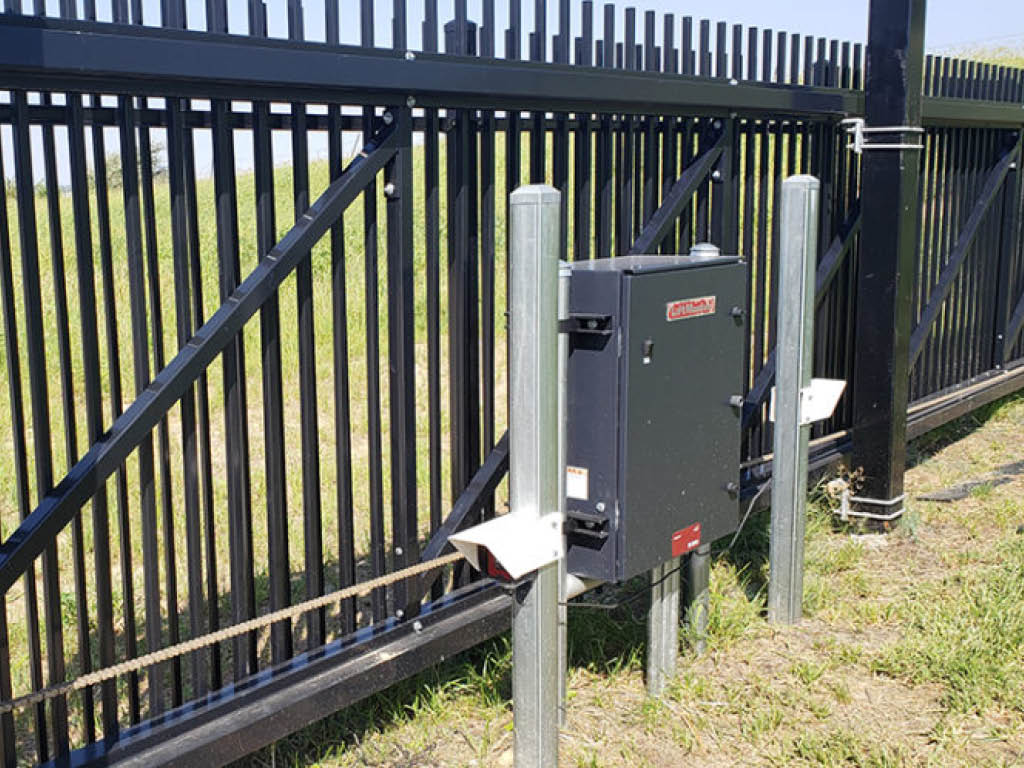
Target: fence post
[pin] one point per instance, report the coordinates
(1007, 247)
(798, 241)
(534, 464)
(890, 202)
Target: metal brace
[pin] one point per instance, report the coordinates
(845, 511)
(857, 128)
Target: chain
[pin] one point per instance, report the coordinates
(202, 641)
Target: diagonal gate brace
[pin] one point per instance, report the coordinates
(958, 256)
(105, 456)
(678, 199)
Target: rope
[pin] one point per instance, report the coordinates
(196, 643)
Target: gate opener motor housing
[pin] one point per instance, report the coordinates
(654, 409)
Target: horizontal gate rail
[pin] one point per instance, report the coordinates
(933, 412)
(56, 55)
(277, 701)
(960, 251)
(58, 507)
(970, 112)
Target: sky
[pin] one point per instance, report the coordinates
(949, 29)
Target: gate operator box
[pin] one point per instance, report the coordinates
(654, 409)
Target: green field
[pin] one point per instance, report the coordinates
(357, 364)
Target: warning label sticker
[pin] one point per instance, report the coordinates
(686, 308)
(686, 540)
(577, 483)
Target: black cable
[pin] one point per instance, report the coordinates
(750, 508)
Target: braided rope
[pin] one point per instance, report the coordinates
(196, 643)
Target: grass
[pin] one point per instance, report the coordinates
(359, 278)
(911, 652)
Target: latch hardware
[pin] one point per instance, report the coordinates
(858, 129)
(580, 323)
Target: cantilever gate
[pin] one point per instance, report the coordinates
(236, 383)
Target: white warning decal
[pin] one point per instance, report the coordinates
(577, 483)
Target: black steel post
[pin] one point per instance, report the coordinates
(890, 210)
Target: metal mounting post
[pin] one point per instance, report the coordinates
(564, 275)
(535, 463)
(698, 596)
(797, 256)
(663, 626)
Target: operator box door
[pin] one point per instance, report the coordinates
(683, 360)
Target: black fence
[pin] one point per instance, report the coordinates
(253, 296)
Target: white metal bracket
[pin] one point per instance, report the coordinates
(817, 402)
(858, 129)
(519, 543)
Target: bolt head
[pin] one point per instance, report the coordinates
(717, 124)
(410, 56)
(388, 118)
(716, 175)
(410, 102)
(599, 506)
(399, 551)
(733, 81)
(417, 626)
(399, 613)
(389, 190)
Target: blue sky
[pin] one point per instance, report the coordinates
(951, 23)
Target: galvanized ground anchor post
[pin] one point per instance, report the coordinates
(698, 596)
(797, 257)
(536, 462)
(663, 626)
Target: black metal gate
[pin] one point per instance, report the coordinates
(235, 383)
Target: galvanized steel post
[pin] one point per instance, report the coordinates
(663, 626)
(798, 248)
(564, 274)
(698, 596)
(534, 461)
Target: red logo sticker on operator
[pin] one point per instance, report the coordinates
(683, 309)
(686, 540)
